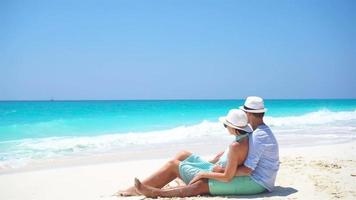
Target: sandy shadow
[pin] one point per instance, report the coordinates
(279, 191)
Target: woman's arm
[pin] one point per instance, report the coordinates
(236, 156)
(216, 158)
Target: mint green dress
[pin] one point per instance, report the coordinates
(194, 164)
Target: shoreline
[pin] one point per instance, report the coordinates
(314, 172)
(162, 151)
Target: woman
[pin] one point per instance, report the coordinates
(203, 177)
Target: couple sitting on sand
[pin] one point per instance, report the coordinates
(248, 166)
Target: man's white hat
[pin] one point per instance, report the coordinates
(254, 105)
(236, 119)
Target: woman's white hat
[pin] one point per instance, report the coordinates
(254, 105)
(236, 119)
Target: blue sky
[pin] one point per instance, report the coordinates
(177, 49)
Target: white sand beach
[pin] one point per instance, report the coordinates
(317, 172)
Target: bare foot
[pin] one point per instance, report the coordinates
(128, 192)
(148, 191)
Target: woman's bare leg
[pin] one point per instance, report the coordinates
(162, 177)
(197, 188)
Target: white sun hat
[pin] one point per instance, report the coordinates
(254, 104)
(236, 119)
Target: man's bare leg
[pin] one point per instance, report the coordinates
(162, 177)
(198, 188)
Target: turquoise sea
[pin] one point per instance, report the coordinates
(46, 129)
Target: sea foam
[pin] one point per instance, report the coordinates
(320, 117)
(323, 123)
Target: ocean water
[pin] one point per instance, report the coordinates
(37, 130)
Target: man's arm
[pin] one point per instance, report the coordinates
(256, 148)
(243, 171)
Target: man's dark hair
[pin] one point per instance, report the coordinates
(258, 115)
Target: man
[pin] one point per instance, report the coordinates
(262, 162)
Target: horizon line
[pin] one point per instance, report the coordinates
(173, 99)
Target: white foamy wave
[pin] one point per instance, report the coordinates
(123, 140)
(322, 117)
(321, 124)
(23, 150)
